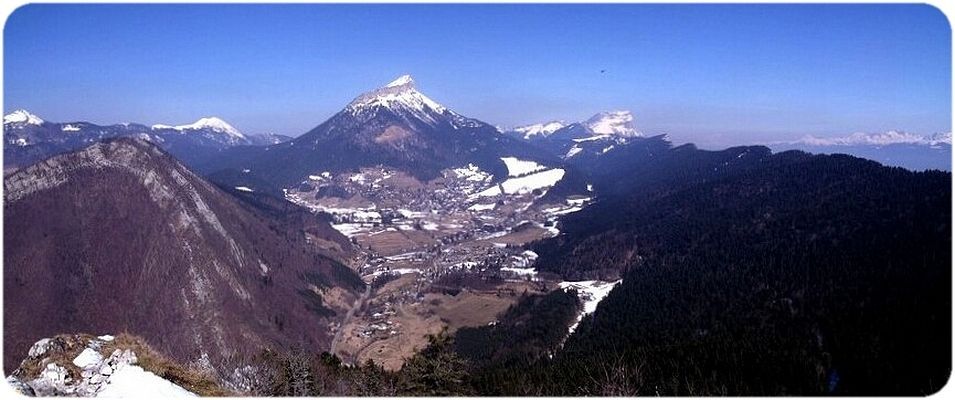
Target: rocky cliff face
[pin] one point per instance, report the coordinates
(121, 237)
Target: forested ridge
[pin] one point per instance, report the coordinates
(744, 273)
(804, 275)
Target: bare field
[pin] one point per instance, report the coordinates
(521, 237)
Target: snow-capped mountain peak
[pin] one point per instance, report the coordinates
(401, 81)
(616, 123)
(22, 117)
(215, 124)
(542, 129)
(399, 96)
(210, 123)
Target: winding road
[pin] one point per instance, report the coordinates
(348, 316)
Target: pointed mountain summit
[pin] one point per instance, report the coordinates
(616, 123)
(394, 125)
(401, 81)
(399, 96)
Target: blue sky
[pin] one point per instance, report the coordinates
(717, 75)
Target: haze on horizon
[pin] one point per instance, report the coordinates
(717, 75)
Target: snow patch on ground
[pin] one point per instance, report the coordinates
(482, 207)
(591, 293)
(244, 189)
(349, 229)
(517, 167)
(573, 152)
(526, 184)
(132, 381)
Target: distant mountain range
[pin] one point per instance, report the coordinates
(895, 148)
(28, 138)
(597, 135)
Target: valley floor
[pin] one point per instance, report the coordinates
(437, 255)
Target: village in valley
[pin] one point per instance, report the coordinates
(440, 254)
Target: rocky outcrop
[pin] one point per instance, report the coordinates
(70, 365)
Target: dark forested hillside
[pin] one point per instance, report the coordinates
(806, 275)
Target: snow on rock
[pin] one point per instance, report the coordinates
(22, 117)
(573, 152)
(591, 293)
(617, 123)
(517, 167)
(70, 128)
(526, 184)
(132, 381)
(544, 129)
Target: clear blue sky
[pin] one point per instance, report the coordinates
(712, 74)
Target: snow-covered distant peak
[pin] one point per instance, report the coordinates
(617, 123)
(877, 139)
(542, 129)
(940, 138)
(401, 81)
(215, 124)
(398, 95)
(22, 117)
(210, 123)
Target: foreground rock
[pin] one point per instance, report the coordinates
(86, 366)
